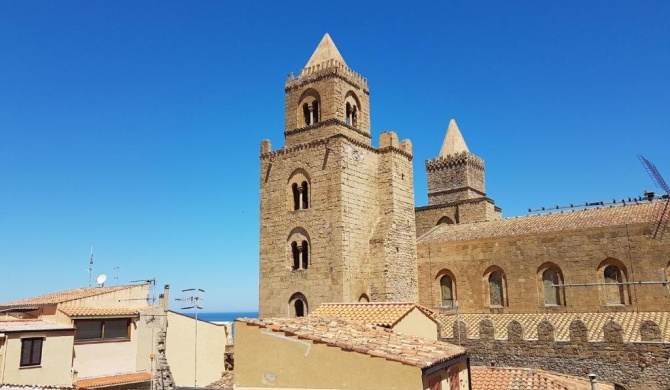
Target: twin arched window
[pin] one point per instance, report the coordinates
(310, 113)
(300, 255)
(300, 196)
(352, 114)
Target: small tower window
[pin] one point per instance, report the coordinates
(295, 252)
(305, 195)
(306, 114)
(305, 254)
(296, 196)
(298, 305)
(315, 111)
(299, 308)
(352, 113)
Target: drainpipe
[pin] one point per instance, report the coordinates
(594, 384)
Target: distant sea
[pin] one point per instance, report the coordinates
(223, 316)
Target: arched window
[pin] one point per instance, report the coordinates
(496, 281)
(299, 195)
(447, 291)
(298, 305)
(315, 111)
(363, 298)
(352, 114)
(446, 220)
(306, 114)
(552, 295)
(615, 291)
(305, 254)
(296, 196)
(304, 191)
(295, 252)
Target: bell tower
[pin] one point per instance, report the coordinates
(337, 214)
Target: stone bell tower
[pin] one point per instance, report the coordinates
(337, 214)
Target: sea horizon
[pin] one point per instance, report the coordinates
(223, 316)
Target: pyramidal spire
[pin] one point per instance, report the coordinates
(324, 52)
(453, 141)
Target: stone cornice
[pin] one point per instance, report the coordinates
(456, 203)
(464, 158)
(327, 122)
(451, 191)
(299, 82)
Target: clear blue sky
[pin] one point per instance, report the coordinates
(136, 126)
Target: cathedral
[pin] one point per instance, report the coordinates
(558, 290)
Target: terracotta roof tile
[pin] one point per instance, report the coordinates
(544, 223)
(64, 296)
(630, 323)
(9, 386)
(113, 380)
(363, 338)
(386, 314)
(503, 378)
(82, 311)
(32, 325)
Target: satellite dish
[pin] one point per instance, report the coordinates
(101, 279)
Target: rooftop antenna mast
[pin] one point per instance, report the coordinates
(90, 267)
(151, 300)
(116, 277)
(662, 209)
(191, 300)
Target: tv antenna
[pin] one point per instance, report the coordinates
(191, 298)
(90, 267)
(101, 279)
(151, 299)
(116, 277)
(661, 211)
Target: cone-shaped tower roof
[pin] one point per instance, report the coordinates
(324, 52)
(453, 141)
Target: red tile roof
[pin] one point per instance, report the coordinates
(544, 223)
(113, 380)
(386, 314)
(64, 296)
(502, 378)
(32, 325)
(82, 311)
(363, 338)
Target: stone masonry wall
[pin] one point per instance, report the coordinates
(635, 365)
(580, 255)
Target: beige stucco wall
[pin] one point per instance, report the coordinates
(180, 350)
(106, 358)
(266, 359)
(418, 324)
(55, 365)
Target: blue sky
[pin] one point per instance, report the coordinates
(136, 126)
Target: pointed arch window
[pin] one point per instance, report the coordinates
(298, 305)
(298, 190)
(446, 220)
(310, 112)
(352, 114)
(300, 255)
(447, 291)
(552, 295)
(496, 281)
(615, 291)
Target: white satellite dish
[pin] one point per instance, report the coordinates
(101, 279)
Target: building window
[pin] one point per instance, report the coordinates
(31, 352)
(298, 305)
(552, 295)
(310, 113)
(102, 330)
(497, 288)
(615, 290)
(300, 255)
(447, 291)
(300, 195)
(352, 115)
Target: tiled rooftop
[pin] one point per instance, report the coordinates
(386, 314)
(363, 338)
(630, 323)
(123, 379)
(64, 296)
(32, 325)
(544, 223)
(81, 311)
(7, 386)
(486, 378)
